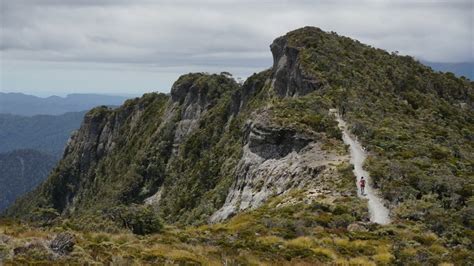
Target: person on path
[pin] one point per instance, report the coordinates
(362, 185)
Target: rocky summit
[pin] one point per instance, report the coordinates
(219, 172)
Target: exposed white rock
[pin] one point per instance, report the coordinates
(258, 179)
(155, 198)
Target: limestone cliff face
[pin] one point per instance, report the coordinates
(126, 154)
(289, 78)
(275, 160)
(189, 100)
(98, 137)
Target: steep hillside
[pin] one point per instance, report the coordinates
(45, 133)
(213, 149)
(417, 124)
(20, 172)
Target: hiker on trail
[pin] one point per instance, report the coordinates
(362, 185)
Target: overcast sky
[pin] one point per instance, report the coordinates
(123, 46)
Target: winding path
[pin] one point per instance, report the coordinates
(378, 212)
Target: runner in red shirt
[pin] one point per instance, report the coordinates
(362, 185)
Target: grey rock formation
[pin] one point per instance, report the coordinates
(275, 160)
(357, 227)
(273, 142)
(189, 101)
(288, 78)
(63, 243)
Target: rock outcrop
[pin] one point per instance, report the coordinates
(63, 243)
(289, 78)
(190, 99)
(274, 161)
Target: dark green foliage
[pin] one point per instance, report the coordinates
(141, 220)
(44, 216)
(307, 113)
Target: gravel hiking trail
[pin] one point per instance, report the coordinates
(377, 210)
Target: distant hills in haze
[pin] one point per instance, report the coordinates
(44, 133)
(33, 134)
(30, 147)
(29, 105)
(465, 69)
(20, 172)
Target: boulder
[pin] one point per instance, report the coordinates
(357, 227)
(63, 243)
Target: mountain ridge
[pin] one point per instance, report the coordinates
(213, 149)
(194, 94)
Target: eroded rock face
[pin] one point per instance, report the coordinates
(274, 161)
(271, 142)
(96, 139)
(191, 99)
(288, 77)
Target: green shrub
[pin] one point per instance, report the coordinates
(141, 220)
(44, 216)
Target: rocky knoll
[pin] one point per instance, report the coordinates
(289, 77)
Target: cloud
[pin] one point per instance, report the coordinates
(223, 34)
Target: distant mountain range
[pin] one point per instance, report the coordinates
(33, 134)
(21, 171)
(29, 105)
(44, 133)
(460, 69)
(29, 149)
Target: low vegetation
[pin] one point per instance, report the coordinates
(284, 231)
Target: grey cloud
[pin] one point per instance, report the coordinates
(227, 32)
